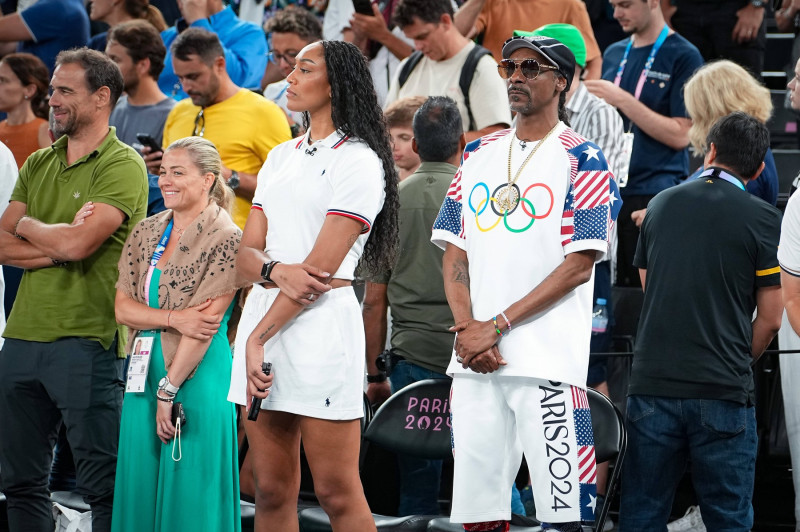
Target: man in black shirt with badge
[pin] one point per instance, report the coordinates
(707, 258)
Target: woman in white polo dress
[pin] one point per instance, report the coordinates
(324, 203)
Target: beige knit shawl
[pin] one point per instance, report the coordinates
(202, 267)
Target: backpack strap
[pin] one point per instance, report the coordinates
(408, 66)
(464, 80)
(467, 73)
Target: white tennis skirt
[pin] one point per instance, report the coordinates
(317, 358)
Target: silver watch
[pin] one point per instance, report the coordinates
(165, 386)
(233, 180)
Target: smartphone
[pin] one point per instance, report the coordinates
(255, 404)
(178, 413)
(146, 140)
(363, 7)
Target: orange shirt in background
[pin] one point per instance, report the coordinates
(499, 18)
(22, 140)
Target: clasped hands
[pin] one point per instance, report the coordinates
(476, 347)
(301, 282)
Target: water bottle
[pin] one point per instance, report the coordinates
(600, 317)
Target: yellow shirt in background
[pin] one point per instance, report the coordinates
(244, 128)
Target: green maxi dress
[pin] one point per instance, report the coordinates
(201, 491)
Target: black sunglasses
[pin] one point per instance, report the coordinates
(531, 68)
(199, 124)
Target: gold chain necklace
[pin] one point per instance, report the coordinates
(507, 198)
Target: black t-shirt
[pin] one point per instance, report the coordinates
(707, 246)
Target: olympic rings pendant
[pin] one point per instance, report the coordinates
(506, 198)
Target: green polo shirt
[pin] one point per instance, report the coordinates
(415, 289)
(76, 300)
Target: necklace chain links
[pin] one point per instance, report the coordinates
(508, 197)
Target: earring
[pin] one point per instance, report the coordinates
(26, 97)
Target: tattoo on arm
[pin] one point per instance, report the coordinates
(263, 335)
(352, 240)
(461, 272)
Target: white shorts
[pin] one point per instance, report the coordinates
(317, 358)
(495, 418)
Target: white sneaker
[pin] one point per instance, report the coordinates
(691, 521)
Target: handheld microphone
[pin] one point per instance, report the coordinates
(255, 405)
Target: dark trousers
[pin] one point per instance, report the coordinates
(709, 26)
(628, 238)
(718, 439)
(73, 380)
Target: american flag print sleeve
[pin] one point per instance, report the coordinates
(593, 200)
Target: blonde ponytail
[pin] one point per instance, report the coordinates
(222, 194)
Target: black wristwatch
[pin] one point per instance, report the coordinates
(380, 377)
(233, 180)
(758, 3)
(266, 270)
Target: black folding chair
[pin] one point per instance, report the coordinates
(414, 421)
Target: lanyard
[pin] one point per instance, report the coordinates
(162, 245)
(722, 174)
(647, 66)
(283, 91)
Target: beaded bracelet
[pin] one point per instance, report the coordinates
(496, 328)
(164, 399)
(507, 322)
(17, 235)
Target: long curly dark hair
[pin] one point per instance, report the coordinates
(355, 112)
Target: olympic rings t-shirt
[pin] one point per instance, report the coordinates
(301, 183)
(567, 202)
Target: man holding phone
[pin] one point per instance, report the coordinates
(243, 125)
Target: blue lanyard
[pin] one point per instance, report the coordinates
(722, 174)
(647, 66)
(162, 245)
(283, 91)
(160, 248)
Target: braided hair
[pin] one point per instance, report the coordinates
(356, 113)
(562, 107)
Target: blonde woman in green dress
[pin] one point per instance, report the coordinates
(177, 281)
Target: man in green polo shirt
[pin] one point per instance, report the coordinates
(69, 216)
(421, 317)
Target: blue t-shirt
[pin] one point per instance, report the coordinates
(245, 48)
(765, 187)
(55, 25)
(655, 166)
(98, 42)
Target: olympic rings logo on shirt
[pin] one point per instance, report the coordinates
(491, 199)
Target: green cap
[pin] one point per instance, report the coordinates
(567, 34)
